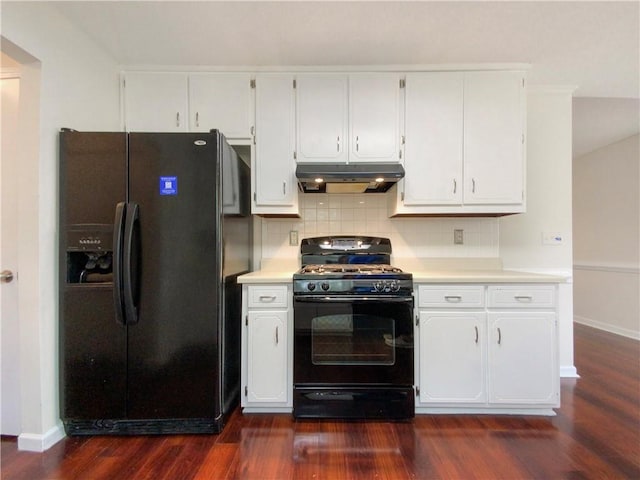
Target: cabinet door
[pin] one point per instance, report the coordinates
(523, 365)
(221, 101)
(493, 138)
(274, 168)
(155, 102)
(267, 356)
(321, 116)
(433, 138)
(374, 117)
(452, 352)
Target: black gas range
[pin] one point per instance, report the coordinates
(349, 265)
(353, 331)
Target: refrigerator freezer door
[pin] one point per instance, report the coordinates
(93, 359)
(93, 345)
(93, 174)
(173, 349)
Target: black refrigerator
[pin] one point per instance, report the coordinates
(154, 230)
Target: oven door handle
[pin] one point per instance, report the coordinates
(350, 298)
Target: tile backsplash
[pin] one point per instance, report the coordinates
(366, 214)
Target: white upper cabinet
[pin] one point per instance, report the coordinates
(321, 108)
(273, 170)
(374, 117)
(222, 101)
(348, 118)
(433, 145)
(464, 145)
(181, 102)
(459, 134)
(155, 102)
(493, 137)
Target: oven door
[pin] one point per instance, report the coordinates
(347, 340)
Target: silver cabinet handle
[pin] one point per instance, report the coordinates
(357, 143)
(453, 298)
(197, 119)
(477, 338)
(473, 185)
(455, 186)
(277, 341)
(338, 144)
(523, 298)
(499, 336)
(284, 188)
(177, 119)
(267, 298)
(6, 276)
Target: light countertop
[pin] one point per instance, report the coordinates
(484, 276)
(267, 276)
(424, 271)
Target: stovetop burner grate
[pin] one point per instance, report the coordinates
(349, 268)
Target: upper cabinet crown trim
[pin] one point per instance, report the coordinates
(468, 67)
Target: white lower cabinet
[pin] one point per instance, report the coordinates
(523, 366)
(266, 349)
(487, 349)
(456, 340)
(266, 356)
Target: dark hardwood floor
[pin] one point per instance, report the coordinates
(596, 434)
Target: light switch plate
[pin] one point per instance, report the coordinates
(552, 238)
(293, 237)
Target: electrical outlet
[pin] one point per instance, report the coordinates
(458, 236)
(293, 237)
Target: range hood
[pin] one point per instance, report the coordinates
(348, 178)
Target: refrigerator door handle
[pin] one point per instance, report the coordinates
(129, 269)
(118, 230)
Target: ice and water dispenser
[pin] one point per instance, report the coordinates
(90, 254)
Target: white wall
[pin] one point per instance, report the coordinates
(607, 240)
(549, 198)
(66, 81)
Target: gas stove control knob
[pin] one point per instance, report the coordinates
(324, 286)
(395, 286)
(311, 286)
(378, 286)
(387, 287)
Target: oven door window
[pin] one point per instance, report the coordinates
(345, 339)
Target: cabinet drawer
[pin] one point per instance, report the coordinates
(268, 296)
(525, 296)
(453, 296)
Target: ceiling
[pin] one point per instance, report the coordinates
(593, 46)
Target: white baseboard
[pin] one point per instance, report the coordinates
(625, 332)
(568, 372)
(35, 442)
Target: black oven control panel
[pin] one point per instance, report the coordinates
(354, 286)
